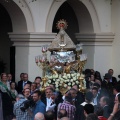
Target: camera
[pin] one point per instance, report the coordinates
(28, 103)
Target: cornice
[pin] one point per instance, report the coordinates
(95, 38)
(31, 39)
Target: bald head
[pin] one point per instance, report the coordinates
(39, 116)
(65, 118)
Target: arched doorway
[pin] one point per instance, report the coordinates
(13, 21)
(84, 11)
(87, 23)
(5, 43)
(67, 13)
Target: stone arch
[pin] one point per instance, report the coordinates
(89, 19)
(72, 21)
(19, 20)
(21, 17)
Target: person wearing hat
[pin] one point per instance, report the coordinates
(106, 84)
(113, 80)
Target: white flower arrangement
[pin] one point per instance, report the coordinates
(49, 81)
(78, 74)
(73, 84)
(65, 80)
(72, 75)
(68, 75)
(69, 83)
(69, 87)
(65, 77)
(55, 76)
(74, 78)
(77, 82)
(61, 82)
(65, 85)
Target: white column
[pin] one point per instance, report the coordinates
(28, 45)
(98, 47)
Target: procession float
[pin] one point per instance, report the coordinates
(66, 63)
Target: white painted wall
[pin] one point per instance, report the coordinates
(98, 48)
(28, 45)
(25, 62)
(116, 29)
(90, 51)
(42, 13)
(103, 10)
(103, 59)
(40, 10)
(99, 58)
(22, 60)
(33, 69)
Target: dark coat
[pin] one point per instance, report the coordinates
(106, 111)
(107, 88)
(114, 81)
(20, 85)
(80, 98)
(79, 114)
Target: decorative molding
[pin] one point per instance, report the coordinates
(95, 38)
(39, 39)
(31, 39)
(58, 0)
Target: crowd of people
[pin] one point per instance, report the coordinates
(25, 100)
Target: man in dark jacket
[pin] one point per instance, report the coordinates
(104, 103)
(113, 80)
(23, 82)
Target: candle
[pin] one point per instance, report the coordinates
(44, 48)
(40, 58)
(36, 59)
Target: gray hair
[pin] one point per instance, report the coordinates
(39, 116)
(20, 96)
(65, 118)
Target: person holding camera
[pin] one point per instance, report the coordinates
(21, 107)
(40, 106)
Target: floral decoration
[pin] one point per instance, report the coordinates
(66, 80)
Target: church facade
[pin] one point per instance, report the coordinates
(28, 25)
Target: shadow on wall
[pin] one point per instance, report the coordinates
(2, 66)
